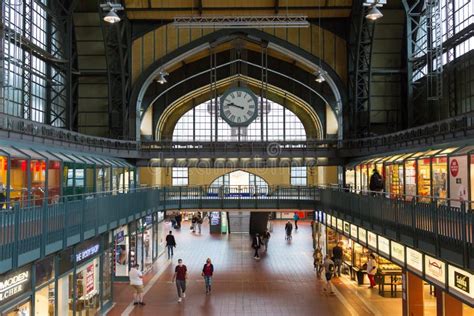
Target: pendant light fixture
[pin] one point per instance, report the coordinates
(320, 72)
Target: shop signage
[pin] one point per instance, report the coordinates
(87, 253)
(461, 282)
(362, 236)
(90, 279)
(372, 240)
(14, 284)
(415, 260)
(397, 252)
(334, 222)
(435, 270)
(328, 219)
(339, 224)
(458, 180)
(347, 228)
(119, 237)
(354, 231)
(384, 245)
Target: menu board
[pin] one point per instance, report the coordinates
(461, 283)
(384, 245)
(339, 225)
(347, 228)
(328, 219)
(333, 222)
(362, 236)
(397, 252)
(435, 270)
(458, 182)
(415, 260)
(354, 231)
(372, 240)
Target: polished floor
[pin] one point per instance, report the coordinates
(283, 282)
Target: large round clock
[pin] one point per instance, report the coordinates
(239, 106)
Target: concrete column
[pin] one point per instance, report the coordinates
(452, 306)
(414, 295)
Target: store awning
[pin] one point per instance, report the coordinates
(13, 153)
(66, 157)
(30, 153)
(87, 160)
(47, 155)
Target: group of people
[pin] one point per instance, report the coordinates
(259, 241)
(196, 222)
(331, 266)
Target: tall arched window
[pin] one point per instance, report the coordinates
(239, 181)
(279, 123)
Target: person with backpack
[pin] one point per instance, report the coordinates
(207, 272)
(199, 222)
(376, 183)
(288, 230)
(329, 268)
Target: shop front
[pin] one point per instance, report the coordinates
(141, 241)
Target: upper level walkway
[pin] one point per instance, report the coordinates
(441, 228)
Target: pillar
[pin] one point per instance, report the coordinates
(413, 295)
(452, 306)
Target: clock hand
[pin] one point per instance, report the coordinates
(235, 105)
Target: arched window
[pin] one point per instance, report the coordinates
(279, 123)
(240, 181)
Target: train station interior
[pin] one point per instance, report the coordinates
(223, 157)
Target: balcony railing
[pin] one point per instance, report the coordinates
(443, 228)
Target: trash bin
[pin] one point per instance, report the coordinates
(360, 277)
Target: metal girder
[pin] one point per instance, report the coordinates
(117, 39)
(285, 21)
(360, 70)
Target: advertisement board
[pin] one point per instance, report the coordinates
(362, 236)
(354, 233)
(372, 240)
(339, 225)
(347, 228)
(458, 180)
(435, 270)
(415, 260)
(384, 245)
(461, 283)
(397, 252)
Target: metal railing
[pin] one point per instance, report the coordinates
(30, 233)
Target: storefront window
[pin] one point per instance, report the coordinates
(38, 180)
(44, 271)
(107, 171)
(19, 181)
(410, 179)
(79, 177)
(117, 179)
(99, 178)
(68, 179)
(107, 259)
(54, 181)
(121, 251)
(22, 309)
(364, 178)
(424, 179)
(89, 179)
(350, 179)
(440, 178)
(45, 300)
(87, 288)
(147, 243)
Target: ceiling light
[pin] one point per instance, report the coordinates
(111, 17)
(374, 14)
(319, 77)
(162, 77)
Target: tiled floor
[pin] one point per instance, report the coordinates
(281, 283)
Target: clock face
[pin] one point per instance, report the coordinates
(239, 106)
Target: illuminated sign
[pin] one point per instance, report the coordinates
(362, 236)
(398, 252)
(87, 253)
(372, 240)
(15, 284)
(384, 245)
(334, 222)
(415, 260)
(435, 270)
(328, 219)
(461, 283)
(347, 229)
(354, 231)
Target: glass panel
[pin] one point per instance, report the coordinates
(88, 289)
(298, 176)
(410, 179)
(107, 259)
(424, 178)
(45, 301)
(54, 181)
(440, 178)
(90, 177)
(179, 176)
(38, 180)
(19, 181)
(3, 181)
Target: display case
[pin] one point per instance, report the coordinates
(389, 278)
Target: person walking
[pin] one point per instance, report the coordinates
(170, 244)
(376, 183)
(288, 230)
(193, 223)
(136, 281)
(179, 219)
(328, 266)
(256, 244)
(199, 221)
(337, 253)
(180, 276)
(318, 261)
(207, 272)
(296, 218)
(266, 238)
(371, 270)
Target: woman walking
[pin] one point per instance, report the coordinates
(371, 270)
(207, 272)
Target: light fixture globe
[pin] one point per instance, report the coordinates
(374, 14)
(111, 17)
